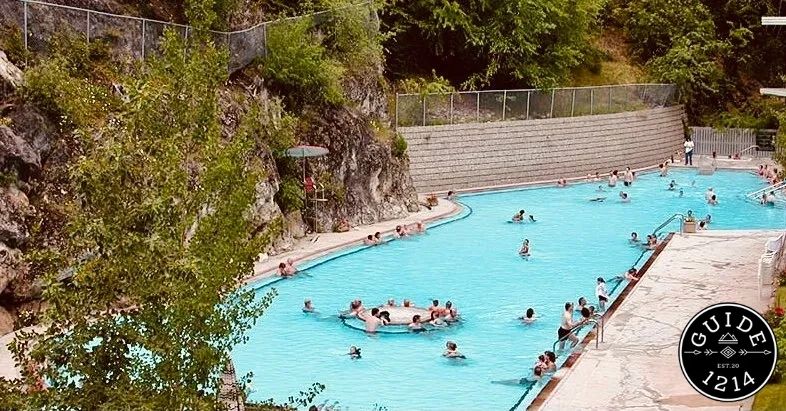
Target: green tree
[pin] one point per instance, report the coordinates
(489, 42)
(157, 241)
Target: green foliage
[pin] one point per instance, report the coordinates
(298, 66)
(72, 84)
(272, 127)
(290, 195)
(334, 188)
(13, 44)
(350, 35)
(210, 14)
(399, 146)
(780, 144)
(158, 240)
(490, 42)
(756, 113)
(425, 85)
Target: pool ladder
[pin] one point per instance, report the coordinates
(597, 324)
(679, 216)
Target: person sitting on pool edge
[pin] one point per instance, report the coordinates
(524, 250)
(451, 351)
(407, 303)
(518, 217)
(529, 316)
(415, 325)
(307, 306)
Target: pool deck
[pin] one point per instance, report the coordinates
(317, 245)
(636, 367)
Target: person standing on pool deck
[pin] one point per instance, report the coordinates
(565, 330)
(688, 151)
(600, 291)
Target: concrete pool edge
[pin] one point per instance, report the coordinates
(574, 356)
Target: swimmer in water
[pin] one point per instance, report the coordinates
(632, 274)
(551, 364)
(524, 250)
(634, 238)
(529, 316)
(415, 325)
(451, 314)
(407, 303)
(373, 321)
(598, 199)
(436, 320)
(613, 178)
(384, 316)
(531, 218)
(287, 269)
(369, 240)
(565, 330)
(401, 231)
(713, 200)
(436, 308)
(672, 185)
(597, 177)
(600, 291)
(308, 307)
(378, 237)
(582, 303)
(518, 217)
(600, 189)
(682, 193)
(391, 303)
(624, 197)
(354, 352)
(451, 351)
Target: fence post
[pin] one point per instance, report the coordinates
(610, 87)
(424, 109)
(143, 37)
(592, 99)
(88, 27)
(573, 102)
(25, 32)
(477, 107)
(395, 122)
(451, 108)
(264, 36)
(551, 113)
(528, 93)
(504, 98)
(644, 94)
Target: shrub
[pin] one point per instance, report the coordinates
(350, 36)
(399, 147)
(290, 195)
(298, 66)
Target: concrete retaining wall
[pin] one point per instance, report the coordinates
(463, 156)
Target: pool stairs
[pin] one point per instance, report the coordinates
(778, 188)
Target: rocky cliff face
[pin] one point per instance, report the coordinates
(364, 182)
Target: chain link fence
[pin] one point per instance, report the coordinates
(501, 105)
(138, 37)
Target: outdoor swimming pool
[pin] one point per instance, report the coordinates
(474, 263)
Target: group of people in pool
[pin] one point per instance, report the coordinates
(401, 232)
(439, 316)
(770, 174)
(287, 268)
(650, 244)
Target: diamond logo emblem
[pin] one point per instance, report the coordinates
(728, 352)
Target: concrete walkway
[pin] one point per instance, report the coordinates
(317, 245)
(636, 367)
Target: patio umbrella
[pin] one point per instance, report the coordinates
(304, 152)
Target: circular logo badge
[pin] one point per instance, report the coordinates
(728, 352)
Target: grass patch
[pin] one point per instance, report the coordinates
(771, 398)
(780, 296)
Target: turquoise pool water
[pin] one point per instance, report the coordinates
(473, 262)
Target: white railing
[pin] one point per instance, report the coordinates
(528, 104)
(774, 187)
(139, 36)
(731, 141)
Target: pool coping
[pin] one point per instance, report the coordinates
(551, 385)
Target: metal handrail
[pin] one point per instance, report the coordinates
(775, 186)
(747, 149)
(595, 326)
(669, 220)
